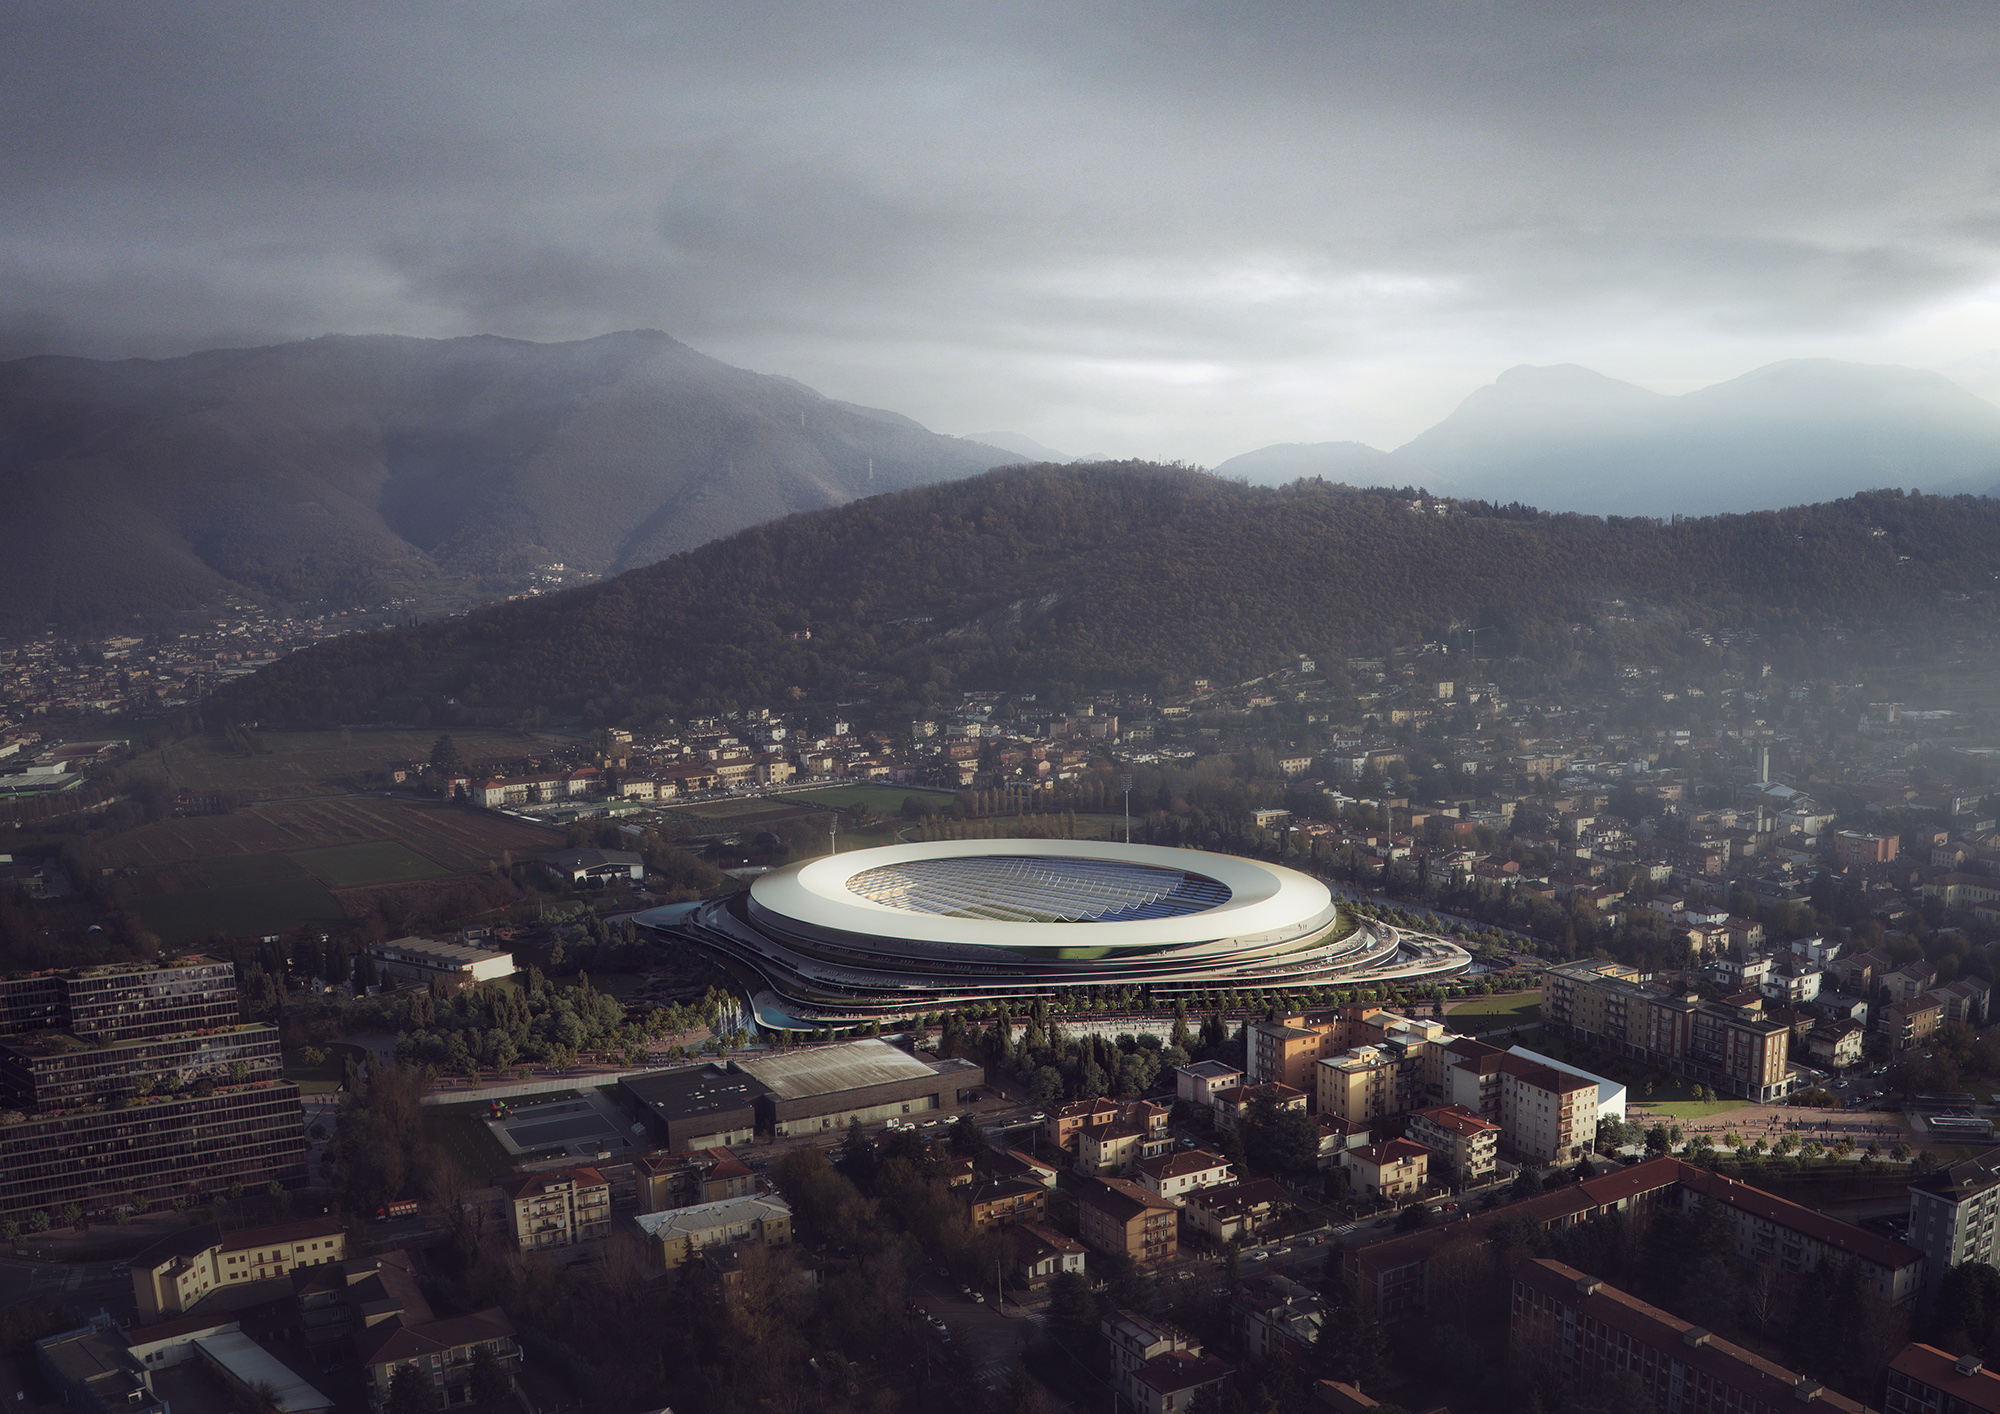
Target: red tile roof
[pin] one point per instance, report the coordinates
(1929, 1365)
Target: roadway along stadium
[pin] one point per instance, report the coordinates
(905, 929)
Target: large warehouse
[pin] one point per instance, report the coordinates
(787, 1092)
(896, 931)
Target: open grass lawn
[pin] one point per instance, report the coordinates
(758, 808)
(315, 763)
(1485, 1013)
(462, 1130)
(887, 799)
(195, 914)
(351, 866)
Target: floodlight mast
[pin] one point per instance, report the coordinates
(1126, 782)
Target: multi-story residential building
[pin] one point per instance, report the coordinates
(174, 1274)
(675, 1236)
(122, 1001)
(1588, 1333)
(1132, 1339)
(1237, 1212)
(1359, 1086)
(1118, 1216)
(1066, 1122)
(1546, 1115)
(1232, 1105)
(1955, 1215)
(1909, 1025)
(1395, 1170)
(1467, 1147)
(135, 1079)
(445, 1349)
(559, 1209)
(1278, 1316)
(1174, 1176)
(1282, 1053)
(1799, 1239)
(1852, 847)
(453, 964)
(682, 1180)
(1835, 1044)
(1926, 1380)
(1157, 1368)
(1199, 1082)
(1001, 1201)
(1732, 1045)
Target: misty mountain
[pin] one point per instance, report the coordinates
(346, 467)
(1021, 446)
(1565, 438)
(1052, 578)
(1356, 463)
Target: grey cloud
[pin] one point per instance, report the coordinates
(982, 216)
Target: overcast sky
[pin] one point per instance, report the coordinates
(1170, 230)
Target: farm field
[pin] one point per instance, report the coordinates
(315, 763)
(351, 866)
(457, 840)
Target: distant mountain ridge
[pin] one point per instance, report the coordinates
(1053, 578)
(1565, 438)
(1355, 463)
(343, 466)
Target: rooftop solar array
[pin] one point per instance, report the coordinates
(1029, 889)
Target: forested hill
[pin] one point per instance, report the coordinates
(351, 469)
(1134, 574)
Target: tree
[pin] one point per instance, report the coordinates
(1657, 1141)
(1072, 1310)
(1349, 1347)
(490, 1381)
(445, 757)
(1277, 1139)
(1527, 1184)
(411, 1392)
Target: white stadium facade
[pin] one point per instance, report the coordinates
(885, 933)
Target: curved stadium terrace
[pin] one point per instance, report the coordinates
(891, 932)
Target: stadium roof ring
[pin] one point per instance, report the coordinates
(907, 928)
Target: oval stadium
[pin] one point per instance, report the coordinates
(893, 932)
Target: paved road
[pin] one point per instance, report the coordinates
(87, 1287)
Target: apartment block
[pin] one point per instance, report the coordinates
(1396, 1170)
(1547, 1115)
(675, 1236)
(1589, 1333)
(1115, 1215)
(1926, 1380)
(1174, 1176)
(135, 1079)
(559, 1209)
(174, 1274)
(1732, 1045)
(1467, 1148)
(1955, 1215)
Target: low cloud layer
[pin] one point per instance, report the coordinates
(1177, 231)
